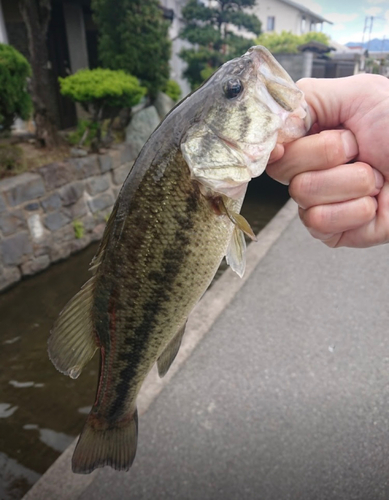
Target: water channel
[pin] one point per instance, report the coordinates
(42, 411)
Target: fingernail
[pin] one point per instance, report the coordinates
(350, 144)
(379, 179)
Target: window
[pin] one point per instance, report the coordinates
(271, 22)
(303, 24)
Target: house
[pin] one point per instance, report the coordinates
(286, 15)
(71, 42)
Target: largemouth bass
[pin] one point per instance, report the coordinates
(176, 217)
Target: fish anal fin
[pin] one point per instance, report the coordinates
(113, 445)
(170, 352)
(72, 342)
(236, 253)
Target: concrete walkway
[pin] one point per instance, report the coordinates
(281, 390)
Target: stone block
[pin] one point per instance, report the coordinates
(119, 175)
(101, 202)
(70, 193)
(163, 104)
(99, 184)
(22, 188)
(3, 206)
(86, 167)
(128, 153)
(15, 248)
(8, 277)
(98, 232)
(10, 222)
(56, 220)
(43, 246)
(57, 174)
(60, 251)
(115, 155)
(35, 265)
(52, 202)
(64, 234)
(105, 162)
(36, 228)
(141, 127)
(80, 243)
(79, 209)
(31, 207)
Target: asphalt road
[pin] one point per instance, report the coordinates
(285, 398)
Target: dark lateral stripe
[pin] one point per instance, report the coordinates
(173, 259)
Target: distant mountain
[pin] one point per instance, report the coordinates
(375, 45)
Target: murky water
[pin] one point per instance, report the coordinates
(42, 411)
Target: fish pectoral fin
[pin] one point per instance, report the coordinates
(72, 342)
(236, 253)
(167, 357)
(237, 219)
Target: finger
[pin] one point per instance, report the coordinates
(277, 153)
(324, 221)
(338, 184)
(314, 152)
(374, 232)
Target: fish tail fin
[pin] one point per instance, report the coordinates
(115, 446)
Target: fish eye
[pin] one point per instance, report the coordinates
(232, 88)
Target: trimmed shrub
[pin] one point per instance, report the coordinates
(14, 98)
(173, 90)
(103, 93)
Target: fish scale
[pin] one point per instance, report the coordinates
(176, 217)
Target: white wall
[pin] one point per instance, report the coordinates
(3, 32)
(287, 18)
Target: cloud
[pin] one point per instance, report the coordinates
(373, 11)
(336, 18)
(375, 2)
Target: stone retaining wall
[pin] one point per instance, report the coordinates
(56, 210)
(60, 208)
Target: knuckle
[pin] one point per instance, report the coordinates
(332, 148)
(302, 187)
(365, 177)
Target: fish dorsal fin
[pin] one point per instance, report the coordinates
(167, 357)
(72, 342)
(236, 253)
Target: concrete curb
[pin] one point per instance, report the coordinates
(59, 482)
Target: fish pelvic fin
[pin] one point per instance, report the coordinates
(236, 253)
(170, 352)
(72, 342)
(113, 446)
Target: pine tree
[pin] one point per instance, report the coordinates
(133, 36)
(209, 29)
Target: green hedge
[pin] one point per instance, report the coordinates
(14, 98)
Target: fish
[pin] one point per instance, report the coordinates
(176, 217)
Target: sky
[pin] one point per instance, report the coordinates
(349, 17)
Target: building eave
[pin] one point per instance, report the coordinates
(305, 10)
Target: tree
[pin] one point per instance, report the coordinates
(36, 16)
(133, 36)
(14, 99)
(214, 32)
(287, 43)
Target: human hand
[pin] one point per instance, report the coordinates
(341, 203)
